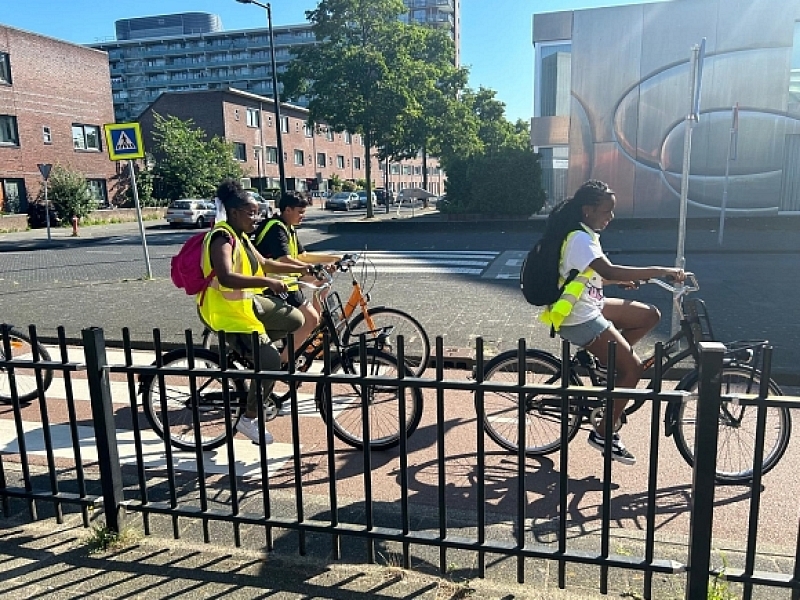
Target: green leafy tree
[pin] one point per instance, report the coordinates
(188, 166)
(357, 76)
(69, 193)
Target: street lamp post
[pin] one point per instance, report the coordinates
(275, 95)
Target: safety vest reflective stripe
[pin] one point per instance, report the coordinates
(229, 294)
(555, 314)
(293, 250)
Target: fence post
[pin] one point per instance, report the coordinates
(94, 349)
(704, 471)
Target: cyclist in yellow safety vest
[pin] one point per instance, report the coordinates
(276, 238)
(582, 315)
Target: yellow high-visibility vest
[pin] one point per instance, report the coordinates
(223, 308)
(293, 250)
(555, 314)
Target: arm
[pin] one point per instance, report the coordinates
(612, 273)
(222, 259)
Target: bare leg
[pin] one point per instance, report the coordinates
(628, 368)
(633, 319)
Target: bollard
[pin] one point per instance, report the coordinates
(74, 226)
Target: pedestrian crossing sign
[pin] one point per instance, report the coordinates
(124, 141)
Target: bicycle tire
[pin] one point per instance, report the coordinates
(500, 413)
(416, 343)
(384, 414)
(735, 446)
(208, 339)
(179, 405)
(25, 378)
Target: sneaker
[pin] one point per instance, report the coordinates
(249, 428)
(618, 450)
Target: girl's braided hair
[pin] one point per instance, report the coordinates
(568, 215)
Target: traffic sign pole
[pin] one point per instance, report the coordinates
(139, 218)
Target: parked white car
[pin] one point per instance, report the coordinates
(191, 212)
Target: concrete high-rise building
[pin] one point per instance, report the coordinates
(438, 13)
(190, 52)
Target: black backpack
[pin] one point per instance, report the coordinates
(538, 277)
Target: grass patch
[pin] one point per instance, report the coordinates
(103, 539)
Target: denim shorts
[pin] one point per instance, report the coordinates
(585, 333)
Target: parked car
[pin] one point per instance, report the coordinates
(362, 199)
(384, 196)
(342, 201)
(191, 212)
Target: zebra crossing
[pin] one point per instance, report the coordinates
(487, 264)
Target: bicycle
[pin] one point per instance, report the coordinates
(16, 345)
(373, 320)
(193, 401)
(740, 375)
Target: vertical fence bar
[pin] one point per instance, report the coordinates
(94, 348)
(608, 433)
(480, 499)
(440, 459)
(297, 450)
(367, 450)
(563, 475)
(404, 514)
(163, 407)
(198, 447)
(137, 433)
(704, 471)
(230, 432)
(336, 540)
(521, 445)
(652, 475)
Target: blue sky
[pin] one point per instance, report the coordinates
(495, 34)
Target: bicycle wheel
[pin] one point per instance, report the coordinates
(384, 401)
(181, 405)
(500, 414)
(737, 426)
(25, 379)
(208, 339)
(416, 344)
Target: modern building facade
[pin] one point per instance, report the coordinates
(612, 93)
(444, 14)
(313, 155)
(51, 112)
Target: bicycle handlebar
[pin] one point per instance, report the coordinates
(680, 289)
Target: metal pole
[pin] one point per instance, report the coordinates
(139, 218)
(275, 97)
(680, 259)
(731, 150)
(47, 211)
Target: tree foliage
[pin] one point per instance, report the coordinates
(69, 193)
(187, 165)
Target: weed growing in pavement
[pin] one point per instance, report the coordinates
(718, 587)
(394, 566)
(103, 539)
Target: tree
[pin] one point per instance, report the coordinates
(358, 75)
(69, 193)
(188, 166)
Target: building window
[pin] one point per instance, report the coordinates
(86, 137)
(554, 70)
(5, 68)
(348, 139)
(8, 131)
(271, 155)
(46, 135)
(299, 158)
(340, 161)
(284, 124)
(236, 113)
(395, 169)
(321, 159)
(329, 134)
(253, 117)
(239, 151)
(794, 72)
(356, 163)
(97, 187)
(308, 130)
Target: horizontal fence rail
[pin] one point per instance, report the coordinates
(318, 488)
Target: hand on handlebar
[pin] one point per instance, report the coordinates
(276, 286)
(678, 275)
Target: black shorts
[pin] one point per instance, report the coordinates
(295, 299)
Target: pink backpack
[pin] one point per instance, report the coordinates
(186, 269)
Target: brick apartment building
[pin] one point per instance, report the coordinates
(55, 98)
(312, 155)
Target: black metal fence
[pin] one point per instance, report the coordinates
(486, 514)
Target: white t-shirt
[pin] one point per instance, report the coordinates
(581, 250)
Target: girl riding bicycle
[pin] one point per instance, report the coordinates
(582, 315)
(232, 302)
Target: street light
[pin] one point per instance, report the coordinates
(275, 96)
